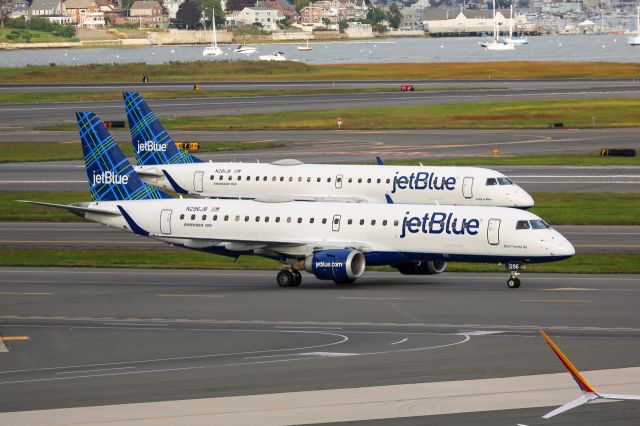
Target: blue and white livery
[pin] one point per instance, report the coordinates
(161, 164)
(333, 241)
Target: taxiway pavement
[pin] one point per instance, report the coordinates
(105, 336)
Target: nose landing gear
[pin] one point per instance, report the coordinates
(514, 271)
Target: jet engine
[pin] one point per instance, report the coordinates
(430, 267)
(341, 266)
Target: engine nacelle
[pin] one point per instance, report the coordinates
(338, 265)
(430, 267)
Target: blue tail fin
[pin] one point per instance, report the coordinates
(111, 177)
(151, 142)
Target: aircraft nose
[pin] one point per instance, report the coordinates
(522, 199)
(562, 246)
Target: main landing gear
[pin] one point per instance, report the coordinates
(514, 271)
(289, 278)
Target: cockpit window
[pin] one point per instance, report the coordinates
(491, 181)
(522, 224)
(504, 181)
(539, 224)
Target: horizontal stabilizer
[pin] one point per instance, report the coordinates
(619, 397)
(80, 210)
(583, 399)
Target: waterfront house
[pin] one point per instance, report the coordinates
(268, 18)
(85, 13)
(53, 10)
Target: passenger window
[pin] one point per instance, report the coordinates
(277, 219)
(324, 220)
(384, 222)
(257, 218)
(300, 179)
(311, 220)
(350, 221)
(211, 177)
(215, 217)
(350, 180)
(308, 179)
(238, 218)
(239, 177)
(388, 180)
(361, 221)
(220, 177)
(369, 180)
(281, 178)
(359, 180)
(378, 181)
(230, 177)
(299, 220)
(226, 218)
(491, 181)
(395, 223)
(246, 218)
(318, 180)
(257, 178)
(522, 224)
(336, 221)
(328, 179)
(264, 179)
(289, 220)
(273, 179)
(373, 222)
(248, 177)
(193, 216)
(290, 178)
(204, 217)
(266, 218)
(181, 217)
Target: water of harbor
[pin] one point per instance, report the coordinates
(609, 48)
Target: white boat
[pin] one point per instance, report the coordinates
(496, 43)
(245, 50)
(514, 39)
(275, 56)
(635, 41)
(213, 49)
(305, 48)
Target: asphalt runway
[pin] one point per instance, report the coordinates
(88, 337)
(83, 235)
(27, 116)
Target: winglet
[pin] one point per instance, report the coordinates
(582, 383)
(379, 160)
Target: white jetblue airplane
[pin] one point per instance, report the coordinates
(163, 165)
(588, 392)
(333, 241)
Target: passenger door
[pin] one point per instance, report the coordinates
(165, 221)
(339, 181)
(198, 183)
(335, 224)
(493, 231)
(467, 187)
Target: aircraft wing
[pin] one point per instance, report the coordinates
(619, 397)
(582, 399)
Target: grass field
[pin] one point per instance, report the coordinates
(261, 71)
(574, 113)
(527, 160)
(71, 150)
(557, 209)
(32, 36)
(183, 259)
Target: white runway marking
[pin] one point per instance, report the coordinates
(400, 341)
(92, 371)
(342, 405)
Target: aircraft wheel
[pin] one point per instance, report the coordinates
(513, 282)
(285, 278)
(297, 279)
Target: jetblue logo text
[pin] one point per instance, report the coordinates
(423, 180)
(325, 264)
(109, 178)
(439, 223)
(152, 146)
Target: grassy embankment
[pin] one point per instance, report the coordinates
(526, 160)
(59, 151)
(574, 113)
(557, 209)
(31, 36)
(181, 259)
(262, 71)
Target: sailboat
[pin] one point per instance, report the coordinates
(305, 48)
(496, 43)
(213, 49)
(514, 39)
(635, 41)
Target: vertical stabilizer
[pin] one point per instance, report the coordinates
(111, 177)
(151, 142)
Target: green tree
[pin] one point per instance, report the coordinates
(126, 4)
(343, 25)
(394, 16)
(206, 6)
(189, 14)
(301, 4)
(376, 14)
(5, 10)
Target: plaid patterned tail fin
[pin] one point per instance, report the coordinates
(151, 142)
(111, 177)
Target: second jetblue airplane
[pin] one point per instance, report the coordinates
(162, 164)
(333, 241)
